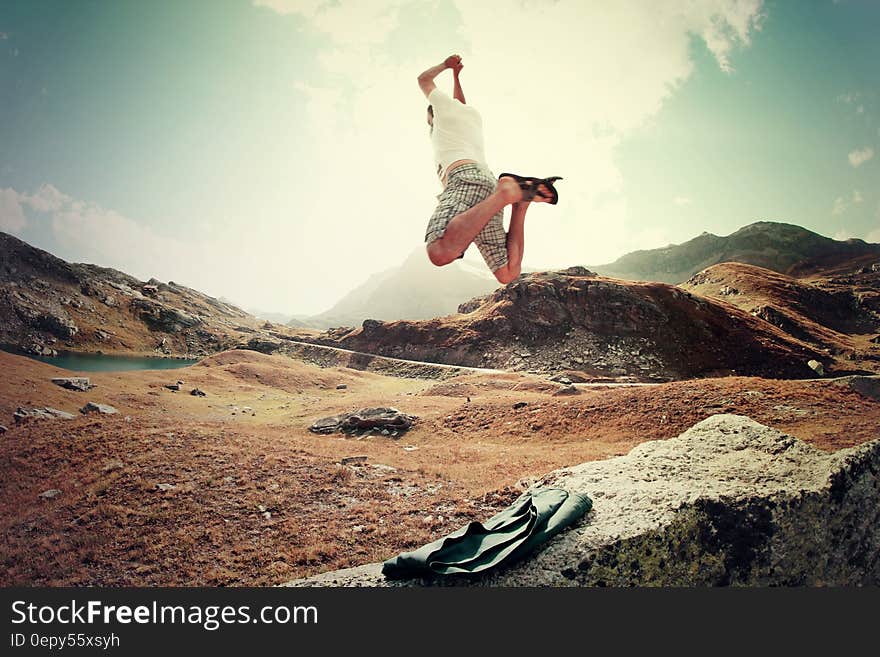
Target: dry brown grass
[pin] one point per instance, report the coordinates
(112, 526)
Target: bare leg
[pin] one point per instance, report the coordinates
(515, 244)
(463, 228)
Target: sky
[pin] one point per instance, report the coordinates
(275, 152)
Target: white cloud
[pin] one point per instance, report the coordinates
(843, 203)
(305, 7)
(559, 85)
(46, 199)
(858, 157)
(12, 219)
(842, 235)
(873, 236)
(682, 200)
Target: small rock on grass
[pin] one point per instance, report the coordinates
(79, 383)
(566, 390)
(92, 407)
(164, 487)
(195, 392)
(50, 494)
(519, 405)
(3, 429)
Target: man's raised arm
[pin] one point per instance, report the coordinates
(426, 78)
(457, 93)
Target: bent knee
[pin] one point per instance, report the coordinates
(504, 275)
(438, 255)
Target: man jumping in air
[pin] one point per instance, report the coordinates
(471, 206)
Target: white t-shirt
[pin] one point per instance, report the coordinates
(457, 133)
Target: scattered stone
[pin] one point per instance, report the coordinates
(353, 460)
(3, 429)
(267, 515)
(567, 390)
(195, 392)
(519, 405)
(38, 349)
(409, 448)
(45, 413)
(165, 487)
(365, 419)
(79, 383)
(559, 378)
(341, 386)
(92, 407)
(50, 494)
(817, 367)
(114, 464)
(174, 387)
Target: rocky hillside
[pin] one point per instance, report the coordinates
(48, 305)
(414, 290)
(598, 327)
(783, 248)
(840, 314)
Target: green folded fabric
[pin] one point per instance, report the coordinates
(507, 536)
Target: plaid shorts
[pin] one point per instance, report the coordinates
(467, 185)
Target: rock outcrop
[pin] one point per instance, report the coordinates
(388, 421)
(822, 312)
(728, 502)
(554, 321)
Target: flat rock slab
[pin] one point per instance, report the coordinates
(44, 413)
(78, 383)
(728, 502)
(92, 407)
(365, 419)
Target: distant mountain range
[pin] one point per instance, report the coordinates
(789, 296)
(414, 290)
(783, 248)
(418, 290)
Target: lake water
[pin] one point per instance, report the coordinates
(104, 363)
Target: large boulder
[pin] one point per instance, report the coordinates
(728, 502)
(384, 419)
(57, 324)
